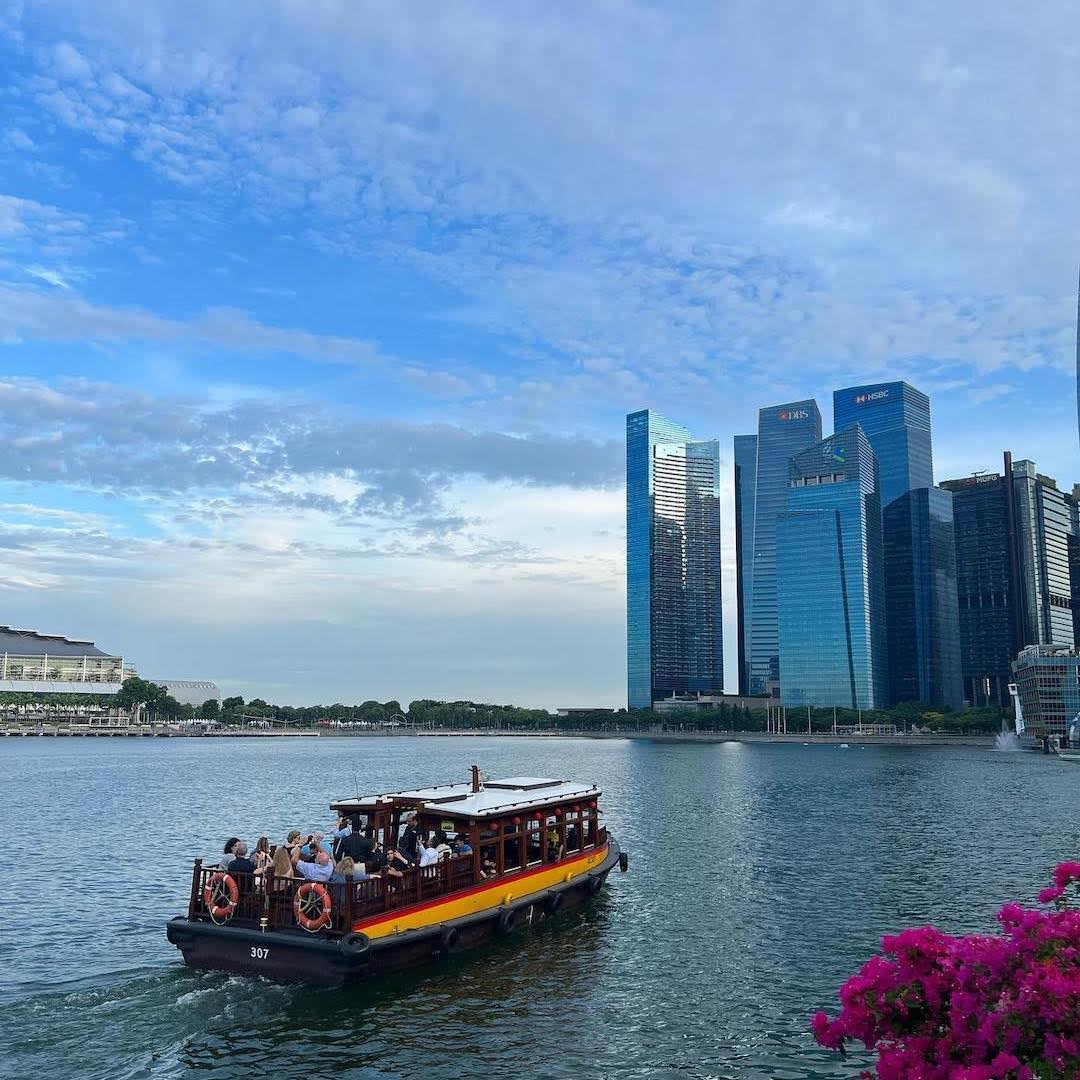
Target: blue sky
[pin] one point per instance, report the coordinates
(320, 321)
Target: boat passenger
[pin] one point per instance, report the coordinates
(262, 852)
(354, 844)
(282, 867)
(227, 857)
(321, 869)
(461, 846)
(241, 864)
(315, 842)
(429, 854)
(408, 844)
(346, 871)
(554, 845)
(439, 842)
(292, 841)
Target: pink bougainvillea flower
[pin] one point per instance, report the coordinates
(978, 1007)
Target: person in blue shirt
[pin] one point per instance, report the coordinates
(315, 843)
(462, 846)
(321, 869)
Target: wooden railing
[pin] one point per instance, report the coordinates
(264, 897)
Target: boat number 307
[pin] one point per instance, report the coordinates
(258, 953)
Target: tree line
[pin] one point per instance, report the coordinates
(152, 700)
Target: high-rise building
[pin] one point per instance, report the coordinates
(830, 578)
(920, 599)
(1048, 683)
(1014, 579)
(745, 493)
(896, 419)
(673, 596)
(783, 431)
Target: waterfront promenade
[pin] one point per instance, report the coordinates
(168, 731)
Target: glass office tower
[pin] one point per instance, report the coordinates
(673, 594)
(783, 430)
(1014, 573)
(745, 493)
(920, 598)
(896, 419)
(830, 577)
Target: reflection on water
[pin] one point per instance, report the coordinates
(761, 876)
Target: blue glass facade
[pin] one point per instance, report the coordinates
(673, 609)
(896, 419)
(783, 430)
(745, 495)
(922, 619)
(831, 616)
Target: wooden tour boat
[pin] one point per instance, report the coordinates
(537, 848)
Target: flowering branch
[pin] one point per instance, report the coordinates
(979, 1007)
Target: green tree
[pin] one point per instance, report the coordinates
(209, 709)
(232, 704)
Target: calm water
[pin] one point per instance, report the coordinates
(760, 877)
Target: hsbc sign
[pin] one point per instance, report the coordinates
(795, 414)
(874, 395)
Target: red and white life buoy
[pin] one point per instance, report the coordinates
(221, 896)
(311, 906)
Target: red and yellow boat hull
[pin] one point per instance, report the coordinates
(480, 898)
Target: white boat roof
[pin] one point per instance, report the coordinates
(496, 796)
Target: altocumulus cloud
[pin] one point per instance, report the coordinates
(108, 438)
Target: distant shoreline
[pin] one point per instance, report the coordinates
(918, 741)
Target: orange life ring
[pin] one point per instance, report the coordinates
(310, 898)
(221, 896)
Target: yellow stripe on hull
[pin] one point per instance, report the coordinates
(488, 897)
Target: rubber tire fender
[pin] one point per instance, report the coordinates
(448, 938)
(595, 885)
(355, 945)
(506, 921)
(553, 903)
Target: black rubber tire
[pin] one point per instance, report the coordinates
(355, 945)
(553, 903)
(448, 938)
(595, 885)
(506, 922)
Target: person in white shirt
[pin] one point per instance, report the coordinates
(429, 854)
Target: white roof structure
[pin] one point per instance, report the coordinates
(496, 797)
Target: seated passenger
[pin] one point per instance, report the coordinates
(261, 857)
(282, 869)
(461, 845)
(429, 854)
(488, 866)
(346, 871)
(241, 864)
(555, 850)
(320, 869)
(292, 841)
(442, 848)
(227, 857)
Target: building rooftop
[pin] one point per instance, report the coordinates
(30, 643)
(495, 798)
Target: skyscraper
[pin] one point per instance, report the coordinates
(745, 492)
(673, 595)
(920, 599)
(783, 430)
(1014, 579)
(830, 576)
(895, 417)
